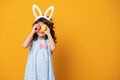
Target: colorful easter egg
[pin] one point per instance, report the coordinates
(38, 27)
(43, 28)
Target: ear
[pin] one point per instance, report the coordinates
(46, 12)
(38, 9)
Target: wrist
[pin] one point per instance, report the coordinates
(32, 32)
(48, 34)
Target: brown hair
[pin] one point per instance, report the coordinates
(50, 25)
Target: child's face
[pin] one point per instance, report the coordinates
(41, 33)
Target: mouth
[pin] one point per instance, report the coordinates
(41, 32)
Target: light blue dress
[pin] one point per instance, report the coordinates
(39, 63)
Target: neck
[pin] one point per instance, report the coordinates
(41, 38)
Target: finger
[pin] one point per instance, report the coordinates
(36, 25)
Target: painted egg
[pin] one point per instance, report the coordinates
(43, 28)
(38, 27)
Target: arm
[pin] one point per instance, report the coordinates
(28, 41)
(51, 40)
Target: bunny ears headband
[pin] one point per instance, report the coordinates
(40, 13)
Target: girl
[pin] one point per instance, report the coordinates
(41, 43)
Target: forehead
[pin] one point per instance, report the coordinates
(41, 23)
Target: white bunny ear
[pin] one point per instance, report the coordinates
(38, 9)
(46, 12)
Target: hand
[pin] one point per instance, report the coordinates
(34, 29)
(47, 30)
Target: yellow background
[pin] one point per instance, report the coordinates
(88, 36)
